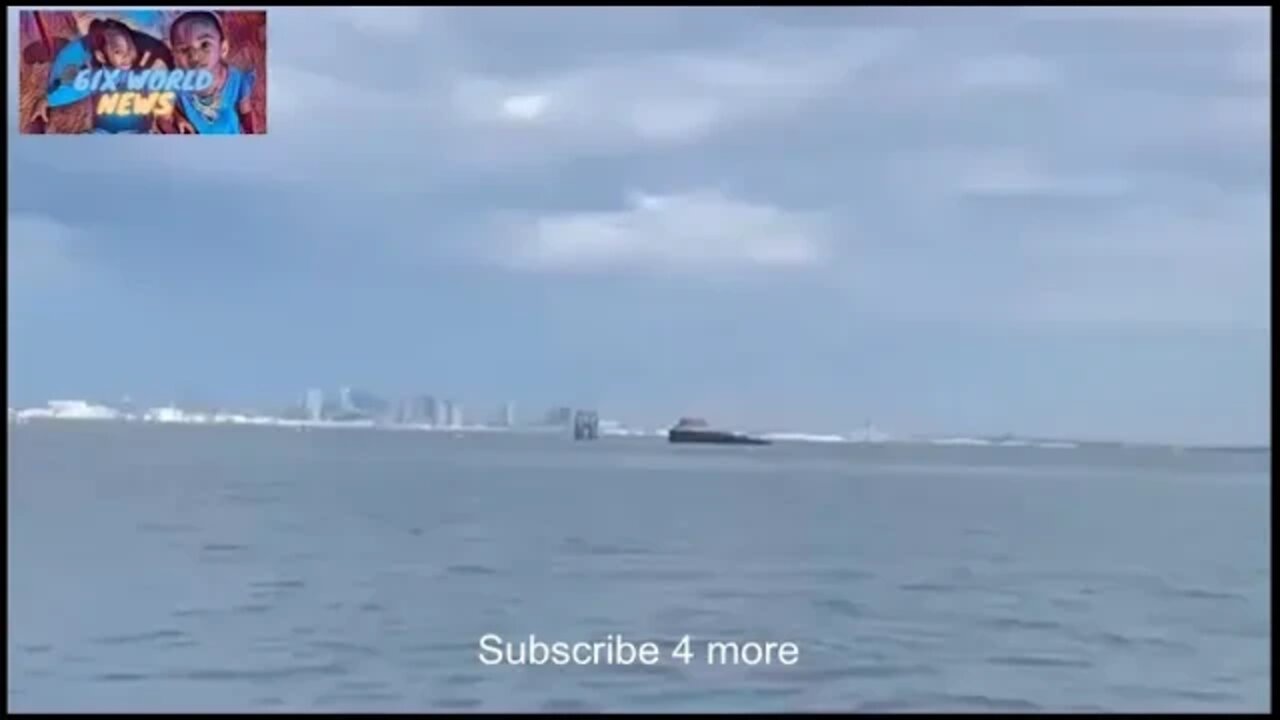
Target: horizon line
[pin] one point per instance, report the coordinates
(863, 436)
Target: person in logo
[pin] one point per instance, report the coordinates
(116, 45)
(198, 42)
(108, 44)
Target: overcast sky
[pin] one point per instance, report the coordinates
(1049, 221)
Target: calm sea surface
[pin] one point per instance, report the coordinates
(189, 568)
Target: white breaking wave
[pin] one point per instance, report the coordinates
(1013, 443)
(804, 437)
(70, 410)
(626, 432)
(974, 442)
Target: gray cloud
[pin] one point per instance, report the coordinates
(1046, 219)
(987, 162)
(697, 231)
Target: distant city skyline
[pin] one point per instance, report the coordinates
(582, 424)
(971, 221)
(450, 414)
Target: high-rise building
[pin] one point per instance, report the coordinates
(509, 415)
(419, 409)
(559, 417)
(455, 414)
(440, 413)
(367, 403)
(315, 404)
(403, 412)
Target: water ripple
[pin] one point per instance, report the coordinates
(143, 637)
(841, 607)
(1193, 593)
(356, 700)
(457, 703)
(568, 705)
(289, 672)
(1123, 640)
(877, 671)
(386, 556)
(1015, 624)
(1039, 661)
(975, 701)
(928, 587)
(279, 584)
(470, 570)
(223, 547)
(115, 677)
(344, 648)
(579, 546)
(251, 609)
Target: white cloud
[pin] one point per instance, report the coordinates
(1204, 263)
(917, 112)
(1191, 16)
(675, 97)
(299, 92)
(524, 107)
(701, 230)
(1009, 71)
(1012, 173)
(457, 119)
(1239, 118)
(1252, 62)
(1003, 171)
(386, 22)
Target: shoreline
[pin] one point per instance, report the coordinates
(41, 416)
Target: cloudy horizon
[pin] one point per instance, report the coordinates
(1046, 221)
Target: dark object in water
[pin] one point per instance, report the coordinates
(696, 430)
(586, 425)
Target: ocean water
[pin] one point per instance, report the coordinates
(200, 568)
